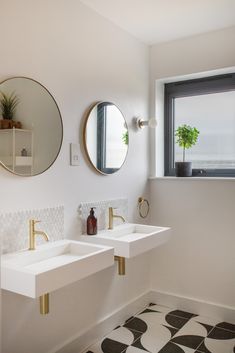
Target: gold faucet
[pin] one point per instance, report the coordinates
(112, 216)
(33, 233)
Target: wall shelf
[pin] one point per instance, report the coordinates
(10, 149)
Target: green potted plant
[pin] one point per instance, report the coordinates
(8, 105)
(125, 138)
(186, 137)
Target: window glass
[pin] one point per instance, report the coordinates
(214, 116)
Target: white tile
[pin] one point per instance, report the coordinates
(185, 349)
(192, 328)
(134, 350)
(155, 338)
(206, 320)
(160, 308)
(96, 348)
(220, 346)
(152, 319)
(101, 212)
(14, 227)
(155, 318)
(122, 335)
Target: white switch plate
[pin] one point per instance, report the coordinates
(74, 154)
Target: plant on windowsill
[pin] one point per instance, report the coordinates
(8, 104)
(186, 138)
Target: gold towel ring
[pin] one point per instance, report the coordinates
(142, 205)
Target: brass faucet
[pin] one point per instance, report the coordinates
(112, 216)
(33, 233)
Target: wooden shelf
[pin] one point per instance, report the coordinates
(14, 129)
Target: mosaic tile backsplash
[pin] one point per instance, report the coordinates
(14, 227)
(101, 212)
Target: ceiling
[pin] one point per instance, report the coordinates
(156, 21)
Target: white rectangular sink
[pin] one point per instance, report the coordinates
(130, 239)
(52, 266)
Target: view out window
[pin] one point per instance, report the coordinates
(209, 105)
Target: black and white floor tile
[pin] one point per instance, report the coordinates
(159, 329)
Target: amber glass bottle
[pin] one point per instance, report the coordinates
(92, 223)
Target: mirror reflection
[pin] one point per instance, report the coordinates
(106, 137)
(31, 128)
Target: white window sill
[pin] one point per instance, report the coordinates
(192, 178)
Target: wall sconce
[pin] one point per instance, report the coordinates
(140, 123)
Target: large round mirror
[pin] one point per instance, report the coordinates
(106, 137)
(31, 129)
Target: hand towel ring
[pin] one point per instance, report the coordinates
(143, 206)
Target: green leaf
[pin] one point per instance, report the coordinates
(125, 138)
(8, 105)
(186, 136)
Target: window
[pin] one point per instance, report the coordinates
(209, 105)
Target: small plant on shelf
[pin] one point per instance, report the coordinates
(186, 137)
(8, 104)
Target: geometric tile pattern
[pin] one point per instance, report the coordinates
(159, 329)
(14, 227)
(101, 212)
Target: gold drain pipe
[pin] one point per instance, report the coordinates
(121, 265)
(44, 304)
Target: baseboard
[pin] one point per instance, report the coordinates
(209, 309)
(80, 343)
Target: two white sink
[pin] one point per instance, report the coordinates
(57, 264)
(129, 240)
(52, 266)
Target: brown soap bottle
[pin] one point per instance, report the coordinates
(91, 223)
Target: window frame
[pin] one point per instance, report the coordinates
(201, 86)
(101, 139)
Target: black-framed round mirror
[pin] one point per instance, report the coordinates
(106, 137)
(31, 129)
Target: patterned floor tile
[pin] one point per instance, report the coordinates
(132, 349)
(218, 341)
(153, 318)
(136, 324)
(107, 345)
(221, 334)
(116, 341)
(171, 311)
(183, 314)
(192, 334)
(226, 326)
(174, 321)
(160, 308)
(124, 335)
(159, 329)
(206, 320)
(175, 348)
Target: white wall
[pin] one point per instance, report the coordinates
(199, 260)
(81, 58)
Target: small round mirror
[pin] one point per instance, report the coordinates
(106, 137)
(31, 129)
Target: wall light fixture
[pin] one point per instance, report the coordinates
(140, 123)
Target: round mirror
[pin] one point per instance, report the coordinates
(31, 129)
(106, 137)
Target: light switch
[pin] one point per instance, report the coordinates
(74, 154)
